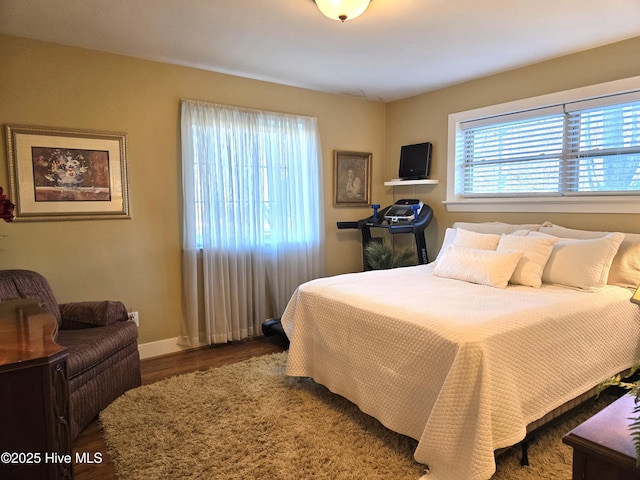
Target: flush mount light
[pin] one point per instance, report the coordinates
(342, 9)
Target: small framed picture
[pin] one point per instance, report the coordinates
(60, 174)
(352, 179)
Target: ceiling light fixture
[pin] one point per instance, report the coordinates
(342, 9)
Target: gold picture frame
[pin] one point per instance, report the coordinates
(352, 179)
(65, 174)
(635, 298)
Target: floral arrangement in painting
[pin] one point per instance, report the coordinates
(67, 168)
(7, 207)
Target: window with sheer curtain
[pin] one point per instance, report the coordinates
(571, 153)
(253, 217)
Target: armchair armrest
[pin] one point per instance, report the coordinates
(78, 315)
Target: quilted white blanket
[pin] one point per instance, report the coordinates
(462, 368)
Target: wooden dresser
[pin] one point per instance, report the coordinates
(602, 445)
(35, 441)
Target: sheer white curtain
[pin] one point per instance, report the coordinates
(253, 217)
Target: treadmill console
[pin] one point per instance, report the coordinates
(403, 211)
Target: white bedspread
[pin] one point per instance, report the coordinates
(462, 368)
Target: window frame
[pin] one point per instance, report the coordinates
(597, 203)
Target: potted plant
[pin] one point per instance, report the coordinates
(381, 255)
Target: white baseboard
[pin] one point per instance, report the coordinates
(161, 347)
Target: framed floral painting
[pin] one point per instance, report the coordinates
(61, 174)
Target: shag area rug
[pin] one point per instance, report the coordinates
(250, 421)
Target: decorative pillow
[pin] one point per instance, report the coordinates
(485, 267)
(450, 235)
(497, 228)
(482, 241)
(581, 263)
(625, 268)
(535, 253)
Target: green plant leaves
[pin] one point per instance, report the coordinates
(381, 255)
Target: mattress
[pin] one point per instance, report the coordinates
(460, 367)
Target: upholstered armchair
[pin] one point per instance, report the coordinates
(103, 360)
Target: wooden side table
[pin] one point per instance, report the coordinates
(35, 439)
(602, 445)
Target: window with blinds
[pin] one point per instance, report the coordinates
(580, 148)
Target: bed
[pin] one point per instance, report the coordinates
(468, 352)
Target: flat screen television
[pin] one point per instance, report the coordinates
(415, 161)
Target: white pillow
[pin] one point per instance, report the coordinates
(482, 241)
(625, 268)
(535, 253)
(485, 267)
(449, 236)
(564, 232)
(581, 263)
(495, 227)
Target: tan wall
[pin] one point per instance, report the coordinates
(425, 117)
(138, 260)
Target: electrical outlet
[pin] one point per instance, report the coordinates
(134, 316)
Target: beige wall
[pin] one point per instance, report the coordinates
(425, 117)
(138, 260)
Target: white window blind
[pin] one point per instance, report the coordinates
(590, 147)
(603, 149)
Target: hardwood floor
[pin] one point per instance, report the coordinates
(90, 442)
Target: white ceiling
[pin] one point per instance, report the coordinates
(396, 49)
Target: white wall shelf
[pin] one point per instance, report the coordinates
(396, 181)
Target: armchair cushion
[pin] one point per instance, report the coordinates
(17, 284)
(78, 315)
(88, 348)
